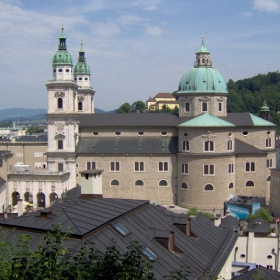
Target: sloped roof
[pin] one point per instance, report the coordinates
(92, 219)
(206, 120)
(135, 145)
(229, 222)
(260, 121)
(164, 95)
(259, 273)
(258, 225)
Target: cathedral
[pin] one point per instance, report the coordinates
(199, 157)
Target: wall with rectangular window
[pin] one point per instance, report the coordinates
(204, 106)
(139, 166)
(208, 146)
(115, 166)
(91, 165)
(208, 169)
(60, 144)
(230, 168)
(185, 168)
(250, 166)
(163, 166)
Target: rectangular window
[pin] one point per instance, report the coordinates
(38, 154)
(60, 167)
(19, 154)
(163, 166)
(60, 144)
(187, 106)
(186, 145)
(185, 168)
(204, 106)
(91, 165)
(139, 166)
(208, 169)
(208, 146)
(269, 163)
(230, 168)
(220, 108)
(229, 145)
(114, 166)
(268, 143)
(249, 166)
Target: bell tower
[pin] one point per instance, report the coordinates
(62, 118)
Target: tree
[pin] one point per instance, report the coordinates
(262, 213)
(124, 108)
(6, 124)
(138, 106)
(33, 129)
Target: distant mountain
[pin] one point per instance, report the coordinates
(23, 115)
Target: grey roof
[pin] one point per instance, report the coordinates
(239, 119)
(203, 219)
(244, 148)
(133, 119)
(2, 181)
(30, 138)
(131, 145)
(258, 225)
(91, 220)
(259, 273)
(229, 222)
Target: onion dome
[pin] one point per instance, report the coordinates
(62, 56)
(81, 67)
(202, 78)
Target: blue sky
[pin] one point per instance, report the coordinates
(135, 48)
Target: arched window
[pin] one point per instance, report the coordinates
(53, 196)
(41, 199)
(115, 183)
(250, 184)
(208, 146)
(184, 186)
(230, 186)
(268, 179)
(16, 197)
(59, 103)
(80, 105)
(163, 183)
(229, 145)
(28, 197)
(186, 145)
(139, 183)
(208, 187)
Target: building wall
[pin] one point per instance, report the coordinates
(127, 176)
(256, 250)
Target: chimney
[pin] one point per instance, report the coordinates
(189, 232)
(91, 184)
(20, 207)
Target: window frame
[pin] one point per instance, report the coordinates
(220, 106)
(114, 166)
(231, 168)
(139, 166)
(60, 144)
(90, 165)
(250, 167)
(207, 170)
(163, 166)
(185, 168)
(186, 145)
(204, 103)
(187, 106)
(268, 143)
(209, 146)
(230, 145)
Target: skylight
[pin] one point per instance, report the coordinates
(149, 254)
(121, 229)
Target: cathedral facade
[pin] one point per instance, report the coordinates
(197, 158)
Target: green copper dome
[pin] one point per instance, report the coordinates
(202, 78)
(81, 67)
(62, 56)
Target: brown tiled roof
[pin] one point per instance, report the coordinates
(151, 99)
(164, 95)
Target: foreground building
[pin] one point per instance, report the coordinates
(197, 158)
(169, 240)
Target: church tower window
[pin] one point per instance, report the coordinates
(59, 103)
(80, 105)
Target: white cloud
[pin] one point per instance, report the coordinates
(269, 6)
(129, 19)
(151, 7)
(105, 29)
(154, 30)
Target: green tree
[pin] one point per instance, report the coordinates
(6, 124)
(124, 108)
(33, 129)
(138, 106)
(262, 213)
